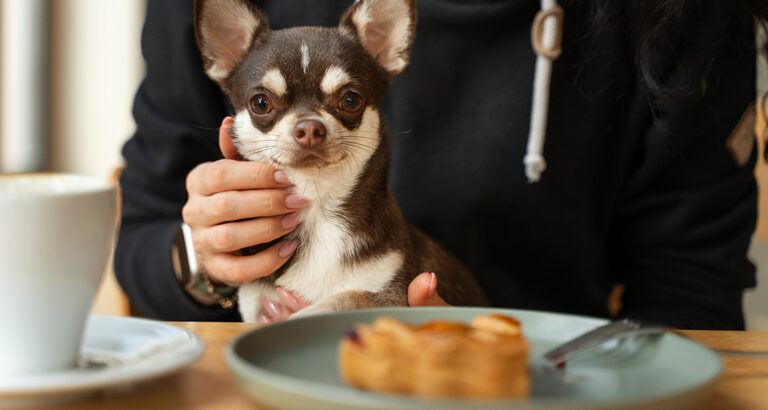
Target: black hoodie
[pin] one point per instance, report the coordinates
(640, 188)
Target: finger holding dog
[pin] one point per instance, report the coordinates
(233, 205)
(234, 236)
(422, 291)
(228, 206)
(234, 269)
(210, 178)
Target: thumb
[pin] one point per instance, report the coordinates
(228, 149)
(423, 291)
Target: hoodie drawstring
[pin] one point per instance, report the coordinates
(546, 39)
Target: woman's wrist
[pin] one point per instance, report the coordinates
(193, 278)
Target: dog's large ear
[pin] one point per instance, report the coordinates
(225, 31)
(385, 28)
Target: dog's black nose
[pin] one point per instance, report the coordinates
(309, 133)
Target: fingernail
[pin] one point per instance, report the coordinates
(294, 201)
(288, 299)
(432, 286)
(227, 122)
(290, 220)
(287, 248)
(281, 177)
(270, 306)
(264, 318)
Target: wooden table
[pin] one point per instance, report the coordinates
(208, 383)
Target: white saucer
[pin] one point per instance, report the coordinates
(116, 351)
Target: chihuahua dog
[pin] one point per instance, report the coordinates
(307, 101)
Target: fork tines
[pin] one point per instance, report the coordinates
(615, 330)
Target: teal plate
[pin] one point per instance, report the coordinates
(292, 365)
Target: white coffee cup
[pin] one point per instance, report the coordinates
(56, 234)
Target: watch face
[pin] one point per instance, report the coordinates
(179, 258)
(197, 284)
(190, 257)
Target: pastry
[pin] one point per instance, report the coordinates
(487, 359)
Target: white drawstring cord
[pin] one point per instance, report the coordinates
(546, 37)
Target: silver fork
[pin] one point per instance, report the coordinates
(615, 330)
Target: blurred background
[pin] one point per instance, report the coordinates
(68, 73)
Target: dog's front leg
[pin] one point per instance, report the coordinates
(249, 298)
(352, 300)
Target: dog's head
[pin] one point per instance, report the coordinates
(305, 97)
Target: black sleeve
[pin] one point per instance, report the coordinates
(177, 111)
(689, 209)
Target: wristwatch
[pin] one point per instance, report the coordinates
(193, 279)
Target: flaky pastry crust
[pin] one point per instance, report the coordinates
(487, 359)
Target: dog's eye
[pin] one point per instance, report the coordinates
(351, 102)
(260, 104)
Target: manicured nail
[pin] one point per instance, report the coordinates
(294, 201)
(287, 248)
(271, 307)
(288, 299)
(432, 286)
(282, 178)
(290, 220)
(264, 318)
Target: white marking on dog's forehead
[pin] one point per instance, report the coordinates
(304, 56)
(334, 78)
(274, 81)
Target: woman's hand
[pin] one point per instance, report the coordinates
(235, 204)
(421, 292)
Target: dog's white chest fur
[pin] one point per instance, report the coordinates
(319, 270)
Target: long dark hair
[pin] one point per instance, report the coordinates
(664, 27)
